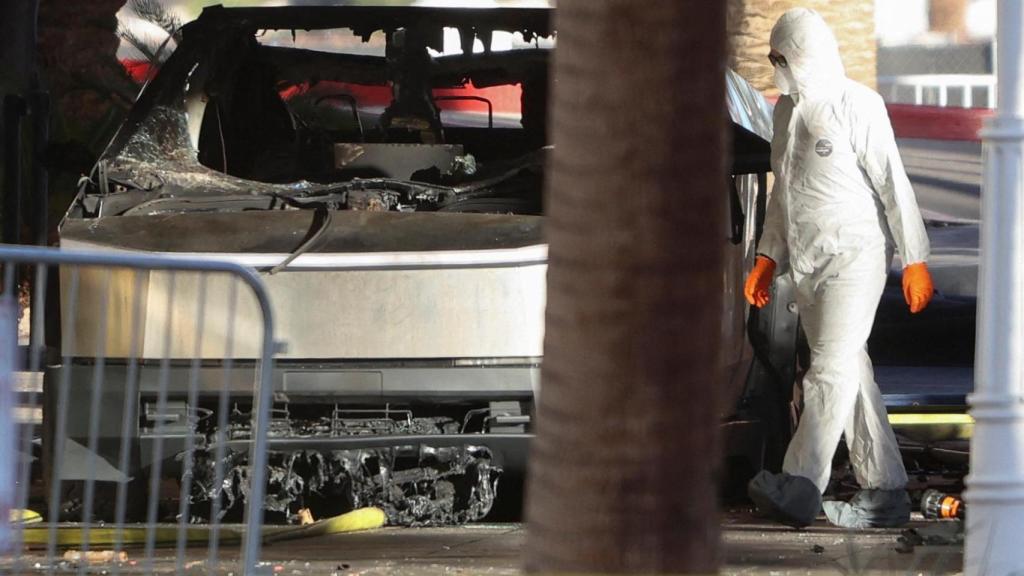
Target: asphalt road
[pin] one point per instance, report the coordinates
(946, 176)
(750, 546)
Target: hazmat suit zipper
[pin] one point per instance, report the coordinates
(787, 165)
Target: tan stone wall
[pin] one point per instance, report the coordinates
(750, 24)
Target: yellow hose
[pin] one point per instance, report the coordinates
(933, 427)
(354, 521)
(22, 516)
(930, 419)
(71, 535)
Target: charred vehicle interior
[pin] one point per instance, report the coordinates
(360, 126)
(289, 138)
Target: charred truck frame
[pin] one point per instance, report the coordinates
(400, 240)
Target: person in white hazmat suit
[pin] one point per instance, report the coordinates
(841, 206)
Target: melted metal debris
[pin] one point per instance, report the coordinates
(414, 485)
(159, 160)
(341, 423)
(160, 153)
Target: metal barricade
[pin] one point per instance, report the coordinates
(130, 468)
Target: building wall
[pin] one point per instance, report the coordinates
(750, 25)
(949, 17)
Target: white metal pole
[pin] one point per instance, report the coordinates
(995, 486)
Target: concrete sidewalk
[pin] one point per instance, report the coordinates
(751, 546)
(946, 176)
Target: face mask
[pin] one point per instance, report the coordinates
(784, 80)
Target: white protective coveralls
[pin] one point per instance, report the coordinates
(841, 204)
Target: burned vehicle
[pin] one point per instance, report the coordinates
(383, 168)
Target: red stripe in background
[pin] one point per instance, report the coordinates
(938, 123)
(934, 122)
(908, 121)
(505, 99)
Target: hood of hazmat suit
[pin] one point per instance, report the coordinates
(841, 207)
(811, 51)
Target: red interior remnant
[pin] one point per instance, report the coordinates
(137, 69)
(504, 98)
(934, 122)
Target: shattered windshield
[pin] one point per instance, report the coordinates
(404, 119)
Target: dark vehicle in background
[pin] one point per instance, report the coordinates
(383, 166)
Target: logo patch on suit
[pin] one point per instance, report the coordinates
(823, 147)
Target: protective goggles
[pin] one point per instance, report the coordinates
(779, 61)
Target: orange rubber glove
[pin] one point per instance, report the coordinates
(759, 281)
(917, 286)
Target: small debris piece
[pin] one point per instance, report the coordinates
(908, 541)
(942, 533)
(95, 556)
(935, 534)
(818, 549)
(305, 517)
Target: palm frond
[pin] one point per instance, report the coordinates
(147, 46)
(155, 12)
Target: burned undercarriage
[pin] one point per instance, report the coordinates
(414, 485)
(414, 482)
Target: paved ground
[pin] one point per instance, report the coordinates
(751, 547)
(946, 176)
(754, 547)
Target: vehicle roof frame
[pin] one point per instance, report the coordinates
(365, 20)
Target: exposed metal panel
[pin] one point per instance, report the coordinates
(331, 314)
(225, 334)
(323, 381)
(427, 381)
(121, 291)
(265, 233)
(392, 160)
(445, 313)
(434, 379)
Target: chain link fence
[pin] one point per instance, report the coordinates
(936, 52)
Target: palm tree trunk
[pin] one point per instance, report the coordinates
(622, 466)
(78, 56)
(89, 89)
(17, 45)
